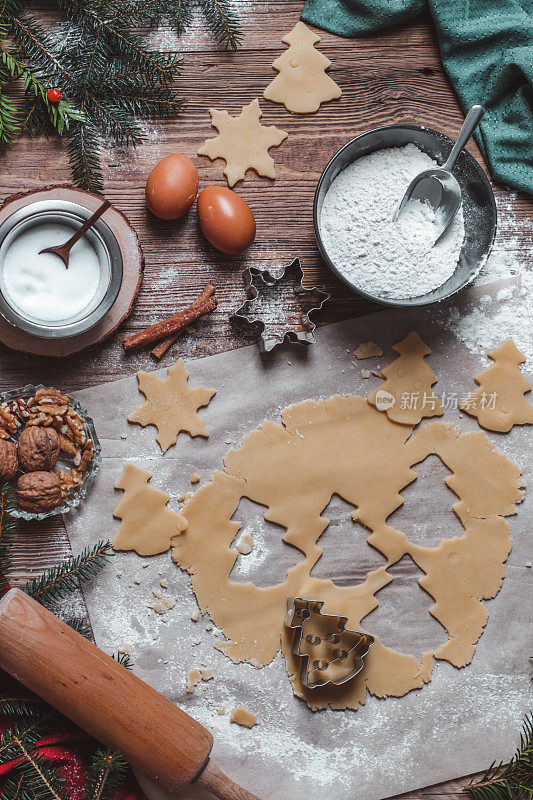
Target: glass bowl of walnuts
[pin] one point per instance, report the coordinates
(49, 451)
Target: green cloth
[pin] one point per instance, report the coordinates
(487, 50)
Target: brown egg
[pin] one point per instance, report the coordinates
(226, 220)
(172, 187)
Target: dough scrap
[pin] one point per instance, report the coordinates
(147, 526)
(171, 405)
(367, 350)
(196, 675)
(302, 84)
(163, 604)
(293, 469)
(243, 142)
(407, 396)
(499, 402)
(241, 716)
(245, 544)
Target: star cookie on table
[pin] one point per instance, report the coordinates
(147, 526)
(243, 142)
(171, 405)
(302, 84)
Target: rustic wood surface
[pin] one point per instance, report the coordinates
(390, 77)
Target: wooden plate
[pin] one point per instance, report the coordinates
(133, 267)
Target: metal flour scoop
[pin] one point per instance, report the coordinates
(437, 187)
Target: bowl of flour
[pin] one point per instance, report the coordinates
(400, 263)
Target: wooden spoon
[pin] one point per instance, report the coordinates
(63, 250)
(107, 700)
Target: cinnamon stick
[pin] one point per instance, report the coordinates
(160, 349)
(171, 325)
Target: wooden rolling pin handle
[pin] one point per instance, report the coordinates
(107, 700)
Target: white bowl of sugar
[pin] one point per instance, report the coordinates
(37, 293)
(400, 264)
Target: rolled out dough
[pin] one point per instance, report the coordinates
(294, 469)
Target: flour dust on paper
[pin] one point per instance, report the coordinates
(294, 469)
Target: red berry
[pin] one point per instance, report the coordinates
(54, 95)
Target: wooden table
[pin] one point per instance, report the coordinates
(387, 78)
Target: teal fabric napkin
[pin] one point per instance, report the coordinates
(487, 50)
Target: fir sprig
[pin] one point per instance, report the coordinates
(40, 115)
(512, 781)
(6, 528)
(223, 21)
(108, 76)
(19, 705)
(105, 775)
(80, 626)
(32, 777)
(124, 659)
(64, 578)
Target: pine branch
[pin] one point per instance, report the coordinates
(512, 781)
(6, 528)
(56, 116)
(80, 626)
(223, 22)
(181, 18)
(156, 104)
(35, 775)
(105, 775)
(84, 158)
(106, 73)
(124, 659)
(64, 579)
(29, 734)
(127, 45)
(28, 707)
(9, 123)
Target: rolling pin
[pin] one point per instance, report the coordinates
(107, 700)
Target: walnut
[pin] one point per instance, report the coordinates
(38, 448)
(38, 491)
(9, 462)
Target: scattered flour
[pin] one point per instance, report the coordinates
(387, 259)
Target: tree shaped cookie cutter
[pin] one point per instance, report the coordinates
(329, 652)
(260, 279)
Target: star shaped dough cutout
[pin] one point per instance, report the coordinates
(243, 142)
(171, 405)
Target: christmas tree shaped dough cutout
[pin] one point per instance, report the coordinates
(243, 142)
(302, 84)
(171, 405)
(147, 526)
(407, 396)
(499, 403)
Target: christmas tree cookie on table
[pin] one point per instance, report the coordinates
(302, 84)
(499, 403)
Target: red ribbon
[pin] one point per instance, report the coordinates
(68, 747)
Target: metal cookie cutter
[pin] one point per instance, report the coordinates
(329, 652)
(259, 284)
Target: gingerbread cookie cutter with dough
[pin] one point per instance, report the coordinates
(346, 446)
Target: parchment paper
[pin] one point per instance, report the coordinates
(455, 725)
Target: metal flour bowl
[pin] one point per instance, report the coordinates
(103, 241)
(479, 207)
